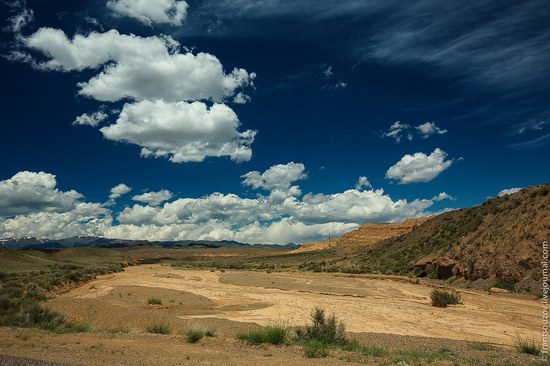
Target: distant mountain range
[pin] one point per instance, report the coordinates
(86, 241)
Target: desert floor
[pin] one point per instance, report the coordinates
(374, 311)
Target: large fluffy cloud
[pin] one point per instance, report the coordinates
(89, 219)
(151, 11)
(95, 49)
(182, 131)
(139, 67)
(29, 192)
(281, 216)
(419, 167)
(161, 81)
(277, 177)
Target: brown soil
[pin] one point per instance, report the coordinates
(388, 313)
(366, 305)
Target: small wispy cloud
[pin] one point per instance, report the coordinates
(399, 131)
(533, 133)
(532, 143)
(497, 44)
(21, 16)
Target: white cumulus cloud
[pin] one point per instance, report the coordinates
(182, 131)
(30, 192)
(278, 176)
(154, 198)
(89, 219)
(167, 116)
(151, 11)
(119, 190)
(280, 216)
(419, 167)
(137, 67)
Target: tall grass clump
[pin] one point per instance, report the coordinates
(323, 328)
(197, 332)
(159, 328)
(194, 335)
(528, 346)
(442, 298)
(273, 334)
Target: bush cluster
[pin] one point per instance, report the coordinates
(442, 298)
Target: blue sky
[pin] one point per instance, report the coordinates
(437, 106)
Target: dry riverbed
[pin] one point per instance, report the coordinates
(381, 312)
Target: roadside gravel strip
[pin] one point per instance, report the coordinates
(17, 361)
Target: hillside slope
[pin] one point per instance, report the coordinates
(500, 239)
(366, 236)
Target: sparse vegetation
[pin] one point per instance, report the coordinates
(482, 346)
(194, 335)
(197, 332)
(323, 328)
(159, 327)
(315, 349)
(505, 284)
(154, 301)
(528, 346)
(409, 355)
(81, 328)
(210, 333)
(442, 298)
(273, 334)
(23, 290)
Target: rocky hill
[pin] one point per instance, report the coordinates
(499, 241)
(366, 236)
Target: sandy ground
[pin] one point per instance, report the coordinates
(395, 315)
(365, 305)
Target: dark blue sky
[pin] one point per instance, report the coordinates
(331, 80)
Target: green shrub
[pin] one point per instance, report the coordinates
(323, 328)
(504, 284)
(210, 333)
(315, 349)
(159, 328)
(442, 298)
(194, 335)
(273, 334)
(528, 346)
(80, 328)
(154, 301)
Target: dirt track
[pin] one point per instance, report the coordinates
(229, 299)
